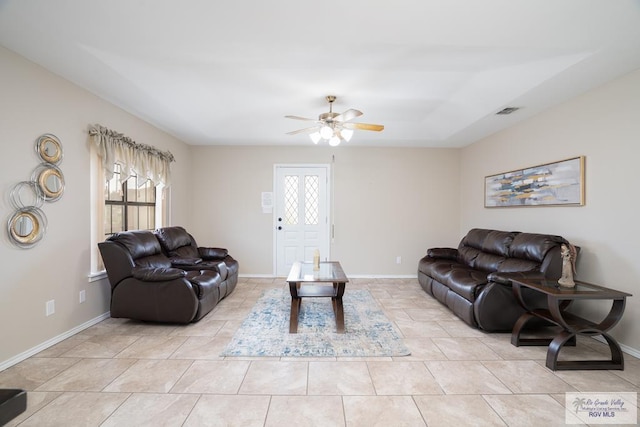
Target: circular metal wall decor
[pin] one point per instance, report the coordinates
(49, 180)
(49, 148)
(27, 226)
(25, 194)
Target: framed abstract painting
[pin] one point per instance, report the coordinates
(552, 184)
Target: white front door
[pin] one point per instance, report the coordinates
(301, 215)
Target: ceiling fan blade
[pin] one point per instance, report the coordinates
(350, 114)
(306, 130)
(363, 126)
(300, 118)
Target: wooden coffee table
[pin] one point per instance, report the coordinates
(558, 300)
(327, 282)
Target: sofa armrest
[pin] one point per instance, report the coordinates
(212, 253)
(505, 278)
(152, 274)
(443, 253)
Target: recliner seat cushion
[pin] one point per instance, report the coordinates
(154, 261)
(157, 274)
(466, 282)
(438, 269)
(204, 282)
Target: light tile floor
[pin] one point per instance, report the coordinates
(126, 373)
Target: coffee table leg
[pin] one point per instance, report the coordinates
(338, 308)
(293, 317)
(339, 315)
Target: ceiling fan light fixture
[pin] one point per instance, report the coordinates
(315, 137)
(346, 134)
(326, 132)
(334, 127)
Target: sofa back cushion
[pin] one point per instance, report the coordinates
(144, 248)
(485, 249)
(534, 247)
(506, 251)
(177, 242)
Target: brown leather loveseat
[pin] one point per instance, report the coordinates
(468, 279)
(150, 285)
(184, 253)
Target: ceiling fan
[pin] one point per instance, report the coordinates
(333, 127)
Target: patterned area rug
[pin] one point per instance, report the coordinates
(265, 331)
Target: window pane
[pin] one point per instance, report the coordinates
(143, 218)
(117, 219)
(107, 220)
(138, 191)
(291, 199)
(311, 196)
(132, 189)
(132, 218)
(146, 192)
(113, 188)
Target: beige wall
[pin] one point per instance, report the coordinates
(34, 102)
(387, 203)
(604, 126)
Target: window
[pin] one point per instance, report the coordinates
(140, 203)
(130, 205)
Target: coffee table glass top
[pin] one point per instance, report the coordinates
(330, 271)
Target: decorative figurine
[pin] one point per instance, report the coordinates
(568, 253)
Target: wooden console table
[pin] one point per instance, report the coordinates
(558, 300)
(305, 282)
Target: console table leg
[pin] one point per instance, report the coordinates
(617, 359)
(616, 362)
(517, 328)
(555, 347)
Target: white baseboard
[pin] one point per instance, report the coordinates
(55, 340)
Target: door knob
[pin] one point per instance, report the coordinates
(279, 219)
(279, 228)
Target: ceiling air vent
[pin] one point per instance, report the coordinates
(508, 110)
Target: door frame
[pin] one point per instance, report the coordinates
(274, 222)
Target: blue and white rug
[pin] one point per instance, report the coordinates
(265, 331)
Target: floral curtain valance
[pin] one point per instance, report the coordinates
(143, 160)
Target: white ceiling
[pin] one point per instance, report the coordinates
(434, 72)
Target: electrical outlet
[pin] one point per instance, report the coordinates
(83, 296)
(398, 259)
(50, 307)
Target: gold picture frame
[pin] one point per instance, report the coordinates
(558, 183)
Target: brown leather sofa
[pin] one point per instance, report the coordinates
(473, 280)
(146, 284)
